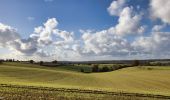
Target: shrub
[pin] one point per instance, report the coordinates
(31, 61)
(149, 68)
(82, 70)
(105, 69)
(41, 62)
(95, 68)
(55, 61)
(9, 60)
(1, 61)
(111, 69)
(135, 63)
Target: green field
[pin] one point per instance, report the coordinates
(145, 80)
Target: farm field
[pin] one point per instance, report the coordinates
(145, 80)
(14, 92)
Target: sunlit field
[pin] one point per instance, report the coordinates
(141, 79)
(9, 92)
(84, 49)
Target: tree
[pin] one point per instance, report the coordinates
(105, 69)
(135, 63)
(95, 68)
(31, 61)
(82, 70)
(1, 61)
(55, 61)
(41, 62)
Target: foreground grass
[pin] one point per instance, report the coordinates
(9, 92)
(147, 80)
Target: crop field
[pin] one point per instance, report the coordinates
(14, 92)
(142, 79)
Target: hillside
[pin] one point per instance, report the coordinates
(152, 80)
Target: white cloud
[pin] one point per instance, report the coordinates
(48, 0)
(30, 18)
(104, 43)
(67, 36)
(160, 9)
(40, 37)
(45, 32)
(49, 34)
(116, 7)
(157, 28)
(7, 34)
(49, 42)
(24, 46)
(129, 23)
(43, 53)
(43, 36)
(158, 44)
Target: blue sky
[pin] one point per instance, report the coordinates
(72, 14)
(92, 17)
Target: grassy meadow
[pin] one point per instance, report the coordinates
(141, 79)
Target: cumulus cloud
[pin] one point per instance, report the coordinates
(30, 18)
(43, 53)
(48, 41)
(158, 43)
(107, 42)
(24, 46)
(40, 37)
(160, 9)
(104, 43)
(48, 35)
(7, 34)
(116, 7)
(43, 36)
(157, 28)
(129, 23)
(45, 32)
(128, 19)
(67, 36)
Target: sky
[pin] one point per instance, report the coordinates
(82, 30)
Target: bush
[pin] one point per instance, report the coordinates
(135, 63)
(149, 68)
(55, 61)
(1, 61)
(41, 62)
(82, 70)
(155, 63)
(31, 61)
(95, 68)
(105, 69)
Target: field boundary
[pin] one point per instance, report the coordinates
(86, 91)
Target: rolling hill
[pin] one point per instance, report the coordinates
(152, 80)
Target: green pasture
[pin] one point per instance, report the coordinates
(140, 79)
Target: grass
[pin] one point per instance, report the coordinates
(147, 80)
(26, 93)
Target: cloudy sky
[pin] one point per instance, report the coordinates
(84, 29)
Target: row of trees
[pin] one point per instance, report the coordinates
(8, 60)
(42, 62)
(105, 68)
(108, 68)
(1, 61)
